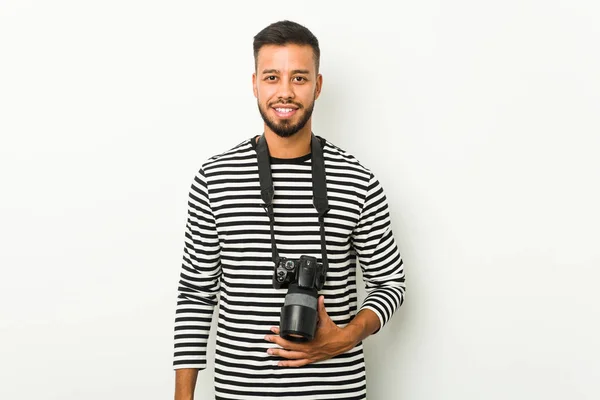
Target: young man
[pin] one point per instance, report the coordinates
(228, 256)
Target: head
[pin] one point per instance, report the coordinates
(286, 80)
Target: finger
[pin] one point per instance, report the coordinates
(294, 363)
(285, 344)
(275, 330)
(292, 355)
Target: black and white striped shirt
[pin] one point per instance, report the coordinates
(228, 261)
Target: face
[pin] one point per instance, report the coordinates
(286, 85)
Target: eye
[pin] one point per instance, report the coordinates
(300, 79)
(271, 78)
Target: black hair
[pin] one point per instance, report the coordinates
(286, 32)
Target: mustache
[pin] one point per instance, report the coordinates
(285, 102)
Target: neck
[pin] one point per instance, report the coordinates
(297, 145)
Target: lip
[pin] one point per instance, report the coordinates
(295, 107)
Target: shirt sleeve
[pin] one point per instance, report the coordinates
(378, 255)
(199, 279)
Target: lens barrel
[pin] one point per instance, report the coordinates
(299, 313)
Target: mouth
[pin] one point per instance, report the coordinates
(285, 112)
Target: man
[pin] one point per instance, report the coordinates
(228, 248)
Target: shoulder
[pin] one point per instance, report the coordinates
(236, 154)
(340, 159)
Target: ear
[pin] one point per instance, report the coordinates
(318, 86)
(254, 83)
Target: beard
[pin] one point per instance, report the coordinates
(286, 128)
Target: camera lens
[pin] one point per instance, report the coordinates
(289, 264)
(298, 320)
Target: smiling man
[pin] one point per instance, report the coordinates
(233, 243)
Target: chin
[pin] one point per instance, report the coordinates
(285, 134)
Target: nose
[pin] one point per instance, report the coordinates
(285, 90)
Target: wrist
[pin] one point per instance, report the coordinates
(355, 333)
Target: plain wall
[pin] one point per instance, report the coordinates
(481, 120)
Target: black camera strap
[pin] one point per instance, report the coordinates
(267, 190)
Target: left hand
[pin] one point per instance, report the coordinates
(329, 341)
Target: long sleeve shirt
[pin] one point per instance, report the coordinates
(228, 262)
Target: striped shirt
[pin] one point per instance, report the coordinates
(228, 262)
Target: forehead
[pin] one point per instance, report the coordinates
(287, 57)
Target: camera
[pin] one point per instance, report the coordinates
(303, 277)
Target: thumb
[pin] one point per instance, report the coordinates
(323, 316)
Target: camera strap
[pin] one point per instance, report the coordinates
(267, 190)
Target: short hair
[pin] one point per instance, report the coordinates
(286, 32)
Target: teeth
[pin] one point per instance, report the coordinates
(284, 110)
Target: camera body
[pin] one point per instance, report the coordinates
(306, 272)
(303, 277)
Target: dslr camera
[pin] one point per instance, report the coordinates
(303, 277)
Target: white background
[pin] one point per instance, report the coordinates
(480, 118)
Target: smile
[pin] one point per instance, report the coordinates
(283, 112)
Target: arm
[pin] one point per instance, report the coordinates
(185, 383)
(379, 257)
(197, 290)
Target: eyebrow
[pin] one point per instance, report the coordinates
(296, 71)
